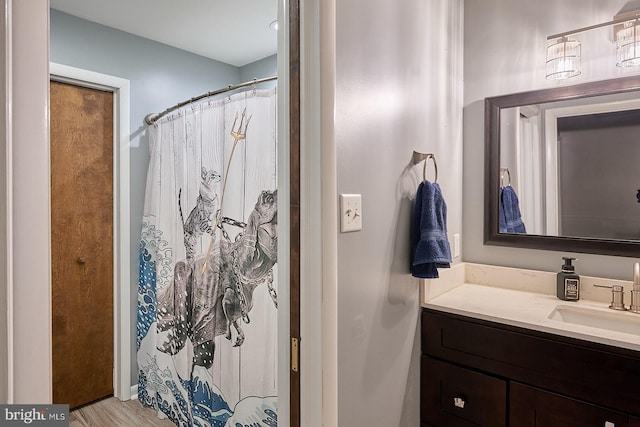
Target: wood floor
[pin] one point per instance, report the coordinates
(111, 412)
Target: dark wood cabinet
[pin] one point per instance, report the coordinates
(522, 378)
(532, 407)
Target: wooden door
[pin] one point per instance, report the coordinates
(81, 243)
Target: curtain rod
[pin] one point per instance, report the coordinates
(154, 117)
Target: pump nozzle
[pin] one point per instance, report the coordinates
(567, 266)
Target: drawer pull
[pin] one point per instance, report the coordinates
(459, 402)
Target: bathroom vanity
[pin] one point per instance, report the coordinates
(503, 357)
(478, 373)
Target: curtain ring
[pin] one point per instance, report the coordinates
(435, 165)
(229, 89)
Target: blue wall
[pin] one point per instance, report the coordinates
(160, 76)
(266, 67)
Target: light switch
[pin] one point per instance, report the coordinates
(350, 212)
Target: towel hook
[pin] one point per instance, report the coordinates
(502, 171)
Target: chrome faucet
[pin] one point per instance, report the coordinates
(635, 291)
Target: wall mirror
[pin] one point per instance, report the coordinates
(571, 155)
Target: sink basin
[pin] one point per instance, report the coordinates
(619, 321)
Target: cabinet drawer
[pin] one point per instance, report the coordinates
(531, 407)
(454, 396)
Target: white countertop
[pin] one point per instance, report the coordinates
(530, 310)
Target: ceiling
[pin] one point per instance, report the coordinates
(232, 31)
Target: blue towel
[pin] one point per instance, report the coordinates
(510, 220)
(429, 243)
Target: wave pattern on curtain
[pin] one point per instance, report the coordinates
(207, 295)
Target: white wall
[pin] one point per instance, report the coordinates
(29, 204)
(504, 52)
(398, 75)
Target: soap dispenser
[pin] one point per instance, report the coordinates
(568, 282)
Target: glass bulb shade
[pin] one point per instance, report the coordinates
(628, 45)
(563, 59)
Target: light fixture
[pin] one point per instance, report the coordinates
(628, 44)
(563, 56)
(563, 59)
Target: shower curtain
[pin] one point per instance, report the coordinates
(207, 297)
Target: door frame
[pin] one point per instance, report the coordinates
(26, 118)
(121, 214)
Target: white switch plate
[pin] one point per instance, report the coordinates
(350, 212)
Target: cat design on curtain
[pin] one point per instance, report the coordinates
(199, 220)
(200, 305)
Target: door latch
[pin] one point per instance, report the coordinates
(294, 354)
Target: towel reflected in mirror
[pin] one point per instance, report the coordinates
(510, 218)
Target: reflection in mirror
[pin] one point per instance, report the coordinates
(571, 157)
(557, 153)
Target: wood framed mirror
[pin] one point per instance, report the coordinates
(553, 215)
